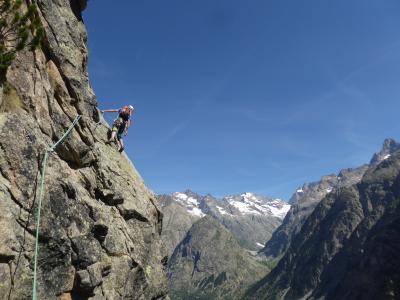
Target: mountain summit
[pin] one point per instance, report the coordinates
(252, 204)
(389, 147)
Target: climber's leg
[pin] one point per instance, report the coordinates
(121, 145)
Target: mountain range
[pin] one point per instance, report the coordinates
(212, 242)
(193, 227)
(306, 198)
(347, 248)
(249, 217)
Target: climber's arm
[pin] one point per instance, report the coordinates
(109, 110)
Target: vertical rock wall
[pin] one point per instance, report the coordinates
(100, 229)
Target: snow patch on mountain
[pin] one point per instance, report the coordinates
(191, 204)
(279, 212)
(222, 211)
(249, 203)
(246, 207)
(196, 212)
(233, 206)
(386, 156)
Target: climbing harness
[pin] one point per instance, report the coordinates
(46, 155)
(118, 122)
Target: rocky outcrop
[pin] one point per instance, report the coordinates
(210, 264)
(347, 248)
(101, 227)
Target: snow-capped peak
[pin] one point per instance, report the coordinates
(249, 203)
(189, 202)
(232, 206)
(249, 195)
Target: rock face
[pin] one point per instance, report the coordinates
(250, 218)
(210, 264)
(348, 247)
(100, 230)
(305, 199)
(303, 202)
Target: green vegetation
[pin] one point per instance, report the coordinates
(20, 28)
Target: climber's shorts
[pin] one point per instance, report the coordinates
(119, 128)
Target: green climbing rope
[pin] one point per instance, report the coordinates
(39, 208)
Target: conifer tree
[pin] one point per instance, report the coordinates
(19, 28)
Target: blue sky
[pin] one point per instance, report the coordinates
(262, 95)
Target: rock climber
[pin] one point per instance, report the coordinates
(121, 124)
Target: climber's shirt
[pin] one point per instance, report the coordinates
(121, 122)
(124, 113)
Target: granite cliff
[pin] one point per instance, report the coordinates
(100, 230)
